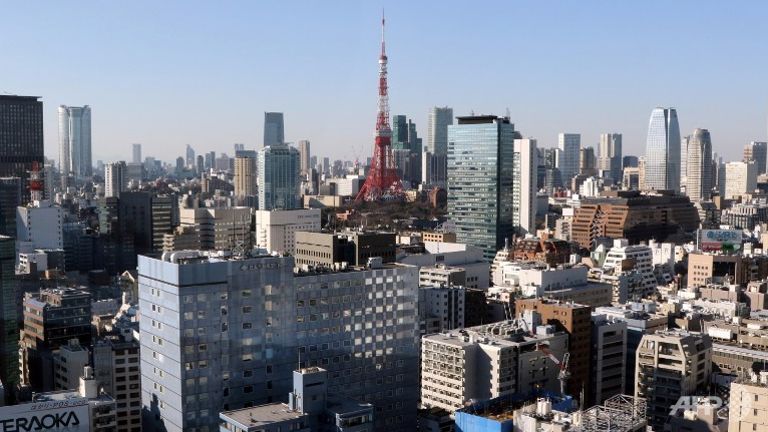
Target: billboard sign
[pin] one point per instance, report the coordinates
(714, 240)
(67, 415)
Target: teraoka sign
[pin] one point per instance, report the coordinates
(67, 415)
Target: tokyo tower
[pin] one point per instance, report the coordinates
(382, 183)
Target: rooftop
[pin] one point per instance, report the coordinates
(261, 415)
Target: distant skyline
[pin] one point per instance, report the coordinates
(168, 74)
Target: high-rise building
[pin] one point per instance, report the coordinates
(757, 151)
(224, 228)
(608, 363)
(569, 155)
(136, 153)
(610, 158)
(489, 361)
(116, 363)
(52, 318)
(587, 161)
(274, 128)
(11, 195)
(671, 364)
(147, 218)
(9, 321)
(698, 178)
(400, 132)
(39, 226)
(437, 130)
(115, 178)
(75, 142)
(279, 182)
(190, 154)
(304, 157)
(480, 194)
(740, 179)
(21, 142)
(747, 408)
(220, 334)
(245, 174)
(662, 151)
(326, 166)
(239, 147)
(524, 186)
(573, 319)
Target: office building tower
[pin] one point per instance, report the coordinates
(489, 361)
(21, 142)
(115, 179)
(276, 230)
(698, 179)
(274, 128)
(147, 218)
(200, 167)
(480, 194)
(304, 157)
(190, 156)
(757, 151)
(352, 247)
(9, 322)
(239, 147)
(610, 155)
(671, 364)
(220, 334)
(326, 166)
(210, 160)
(740, 179)
(279, 182)
(11, 195)
(400, 132)
(574, 320)
(116, 361)
(136, 153)
(75, 142)
(52, 317)
(587, 161)
(608, 358)
(39, 226)
(569, 145)
(629, 161)
(433, 169)
(662, 151)
(524, 186)
(747, 409)
(222, 228)
(245, 174)
(437, 130)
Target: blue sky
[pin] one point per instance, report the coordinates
(171, 73)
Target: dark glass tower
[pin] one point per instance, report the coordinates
(21, 136)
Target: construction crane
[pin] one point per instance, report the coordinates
(564, 373)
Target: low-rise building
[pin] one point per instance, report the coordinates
(276, 229)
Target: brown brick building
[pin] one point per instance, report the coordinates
(633, 215)
(576, 320)
(552, 252)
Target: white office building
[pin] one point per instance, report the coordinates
(75, 142)
(115, 179)
(222, 332)
(524, 186)
(740, 179)
(276, 229)
(642, 258)
(39, 226)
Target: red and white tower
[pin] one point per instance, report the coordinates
(382, 182)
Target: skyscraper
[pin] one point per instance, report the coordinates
(279, 181)
(570, 146)
(21, 140)
(757, 151)
(115, 179)
(190, 156)
(75, 142)
(662, 151)
(610, 155)
(524, 186)
(136, 153)
(245, 173)
(274, 128)
(699, 166)
(304, 156)
(9, 333)
(434, 160)
(480, 194)
(400, 132)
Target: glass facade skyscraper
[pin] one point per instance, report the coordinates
(437, 130)
(75, 142)
(274, 128)
(662, 151)
(699, 166)
(480, 180)
(279, 180)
